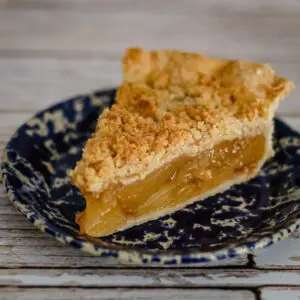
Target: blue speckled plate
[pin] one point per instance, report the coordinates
(247, 217)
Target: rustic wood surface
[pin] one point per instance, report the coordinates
(126, 294)
(53, 49)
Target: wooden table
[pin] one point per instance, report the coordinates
(53, 49)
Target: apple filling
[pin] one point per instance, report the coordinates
(174, 185)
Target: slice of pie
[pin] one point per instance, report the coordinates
(184, 127)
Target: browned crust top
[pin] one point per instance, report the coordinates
(175, 103)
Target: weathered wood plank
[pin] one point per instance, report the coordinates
(123, 294)
(33, 84)
(266, 7)
(20, 234)
(51, 261)
(147, 277)
(15, 222)
(8, 210)
(40, 260)
(251, 32)
(25, 242)
(9, 122)
(234, 7)
(280, 293)
(282, 255)
(54, 250)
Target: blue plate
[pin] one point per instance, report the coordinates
(248, 216)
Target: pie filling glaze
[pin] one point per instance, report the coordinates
(171, 185)
(184, 127)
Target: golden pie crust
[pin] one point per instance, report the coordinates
(173, 105)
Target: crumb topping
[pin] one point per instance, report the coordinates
(174, 103)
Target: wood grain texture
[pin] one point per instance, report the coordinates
(279, 293)
(242, 30)
(147, 277)
(54, 49)
(75, 47)
(215, 7)
(123, 294)
(282, 255)
(33, 84)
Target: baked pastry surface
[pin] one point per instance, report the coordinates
(184, 127)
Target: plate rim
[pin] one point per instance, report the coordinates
(193, 256)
